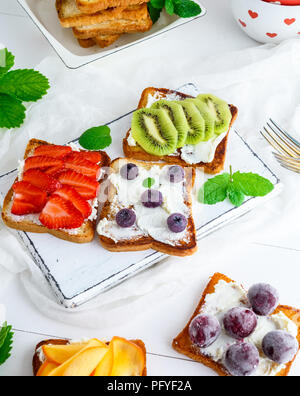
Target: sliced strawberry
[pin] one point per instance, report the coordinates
(83, 166)
(55, 171)
(26, 193)
(94, 156)
(39, 179)
(59, 213)
(42, 162)
(21, 208)
(52, 151)
(70, 194)
(85, 186)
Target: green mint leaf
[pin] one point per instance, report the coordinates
(252, 185)
(149, 182)
(154, 13)
(158, 4)
(214, 190)
(96, 138)
(169, 7)
(6, 336)
(26, 85)
(235, 195)
(12, 112)
(7, 61)
(186, 8)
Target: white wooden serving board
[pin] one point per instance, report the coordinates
(77, 273)
(43, 14)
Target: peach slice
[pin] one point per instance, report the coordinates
(82, 363)
(128, 358)
(60, 353)
(105, 366)
(46, 369)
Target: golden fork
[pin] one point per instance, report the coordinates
(288, 148)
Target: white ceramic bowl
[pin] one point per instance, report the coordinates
(267, 22)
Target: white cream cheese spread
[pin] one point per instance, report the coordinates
(228, 296)
(191, 154)
(150, 221)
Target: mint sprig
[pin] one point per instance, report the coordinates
(182, 8)
(97, 138)
(149, 182)
(17, 86)
(234, 186)
(6, 341)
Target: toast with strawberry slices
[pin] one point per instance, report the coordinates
(54, 194)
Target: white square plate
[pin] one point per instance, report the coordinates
(77, 273)
(44, 15)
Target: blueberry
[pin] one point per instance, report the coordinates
(263, 298)
(129, 171)
(204, 330)
(240, 322)
(176, 174)
(152, 198)
(125, 218)
(177, 222)
(280, 346)
(241, 360)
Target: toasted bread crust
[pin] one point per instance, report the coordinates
(73, 17)
(102, 41)
(144, 243)
(36, 363)
(183, 344)
(88, 7)
(136, 152)
(87, 232)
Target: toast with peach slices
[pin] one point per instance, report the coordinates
(90, 358)
(151, 227)
(73, 195)
(135, 151)
(183, 344)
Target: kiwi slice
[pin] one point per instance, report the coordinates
(154, 131)
(176, 113)
(196, 132)
(219, 111)
(209, 123)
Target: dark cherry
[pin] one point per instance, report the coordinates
(280, 346)
(242, 359)
(204, 330)
(126, 218)
(152, 198)
(129, 171)
(263, 298)
(240, 322)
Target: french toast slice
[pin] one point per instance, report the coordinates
(70, 16)
(86, 232)
(136, 152)
(141, 241)
(182, 343)
(93, 6)
(118, 26)
(103, 41)
(37, 363)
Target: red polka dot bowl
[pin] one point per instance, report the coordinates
(267, 22)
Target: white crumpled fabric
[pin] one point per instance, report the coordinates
(262, 82)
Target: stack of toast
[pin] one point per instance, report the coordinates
(102, 22)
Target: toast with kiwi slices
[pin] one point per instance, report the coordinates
(173, 127)
(229, 356)
(148, 205)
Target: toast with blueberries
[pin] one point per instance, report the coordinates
(56, 192)
(173, 127)
(239, 333)
(149, 205)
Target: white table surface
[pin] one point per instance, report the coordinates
(274, 260)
